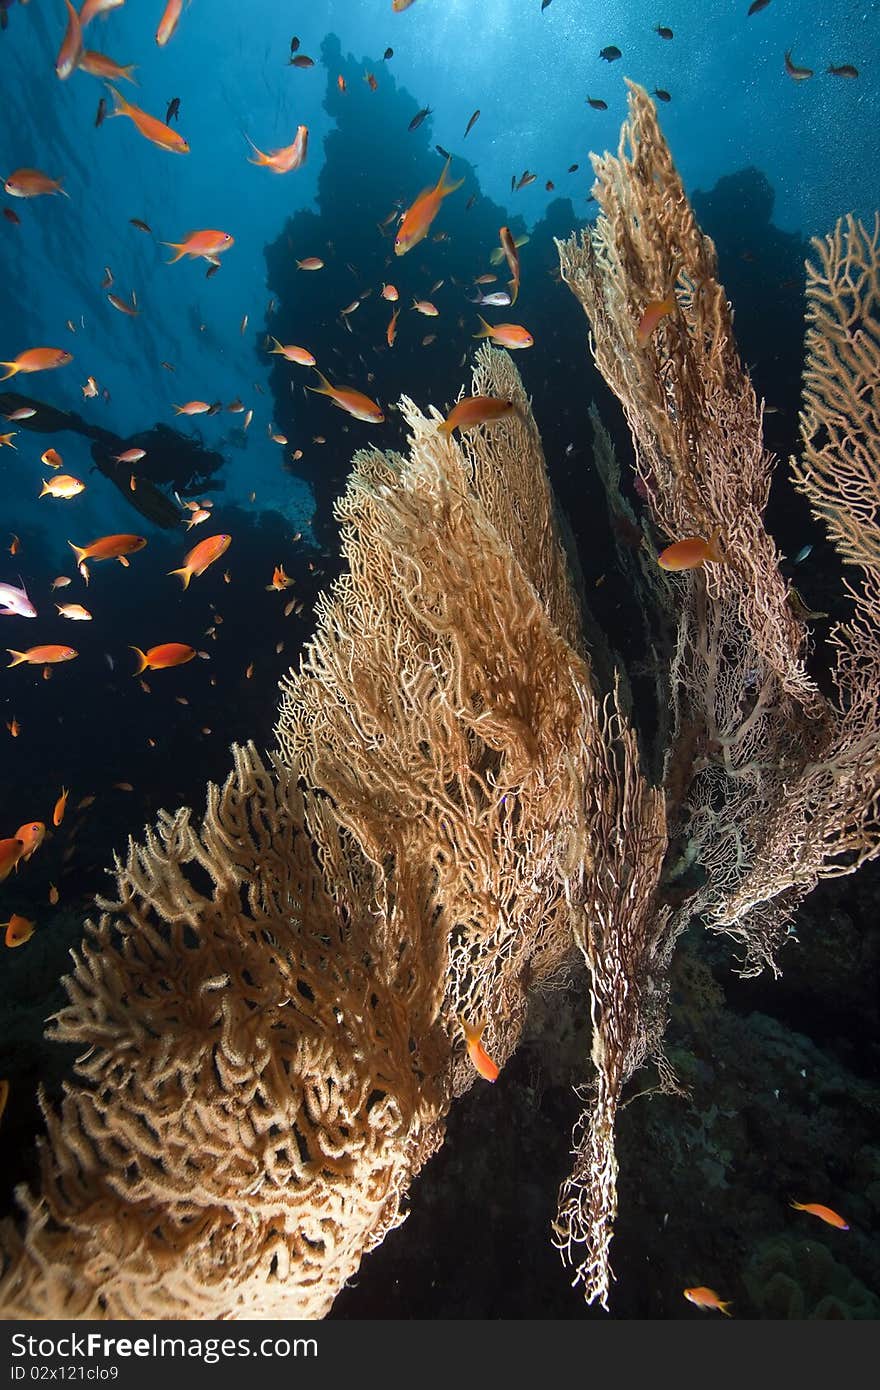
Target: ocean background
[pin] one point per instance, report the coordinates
(786, 1073)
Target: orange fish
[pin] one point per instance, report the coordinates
(71, 49)
(192, 408)
(60, 807)
(108, 548)
(831, 1218)
(10, 853)
(149, 126)
(370, 79)
(690, 553)
(340, 82)
(475, 410)
(509, 335)
(64, 486)
(391, 330)
(658, 309)
(389, 292)
(354, 402)
(74, 611)
(707, 1298)
(284, 160)
(40, 359)
(16, 544)
(310, 263)
(13, 726)
(51, 458)
(53, 894)
(30, 183)
(31, 834)
(162, 657)
(418, 218)
(511, 255)
(201, 556)
(280, 580)
(480, 1058)
(292, 353)
(168, 22)
(92, 8)
(18, 929)
(206, 243)
(130, 456)
(99, 65)
(41, 656)
(424, 306)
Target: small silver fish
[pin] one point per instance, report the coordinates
(803, 554)
(497, 299)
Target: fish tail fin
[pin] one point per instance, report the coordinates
(19, 657)
(12, 368)
(485, 331)
(798, 1206)
(128, 70)
(471, 1034)
(78, 550)
(185, 575)
(122, 107)
(513, 286)
(175, 246)
(142, 659)
(278, 346)
(445, 428)
(46, 488)
(63, 191)
(325, 389)
(715, 549)
(444, 187)
(724, 1309)
(261, 157)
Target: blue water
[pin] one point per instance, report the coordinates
(529, 73)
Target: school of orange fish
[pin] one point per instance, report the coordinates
(209, 244)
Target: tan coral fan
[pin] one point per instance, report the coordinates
(249, 1114)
